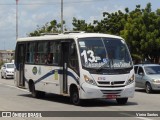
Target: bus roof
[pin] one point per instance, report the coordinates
(67, 36)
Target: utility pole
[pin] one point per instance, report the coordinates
(16, 19)
(61, 16)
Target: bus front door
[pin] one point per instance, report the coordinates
(65, 54)
(20, 59)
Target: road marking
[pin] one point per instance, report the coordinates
(142, 118)
(15, 87)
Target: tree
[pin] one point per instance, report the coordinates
(51, 27)
(81, 25)
(141, 32)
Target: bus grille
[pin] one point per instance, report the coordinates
(111, 91)
(111, 84)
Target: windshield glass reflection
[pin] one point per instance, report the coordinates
(105, 53)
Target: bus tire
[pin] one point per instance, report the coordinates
(35, 93)
(74, 97)
(122, 101)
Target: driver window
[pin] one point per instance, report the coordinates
(73, 59)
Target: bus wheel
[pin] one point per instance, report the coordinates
(75, 97)
(148, 88)
(122, 101)
(37, 94)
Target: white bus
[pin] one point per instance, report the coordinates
(78, 65)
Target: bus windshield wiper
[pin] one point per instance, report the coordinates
(104, 65)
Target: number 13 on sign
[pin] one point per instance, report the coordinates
(91, 56)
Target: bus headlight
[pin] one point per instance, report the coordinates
(131, 80)
(89, 80)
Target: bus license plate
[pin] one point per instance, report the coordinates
(111, 96)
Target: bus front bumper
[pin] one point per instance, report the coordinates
(88, 91)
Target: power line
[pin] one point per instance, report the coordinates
(52, 3)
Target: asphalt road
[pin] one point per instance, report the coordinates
(15, 99)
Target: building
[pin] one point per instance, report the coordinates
(6, 55)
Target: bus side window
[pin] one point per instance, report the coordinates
(30, 52)
(54, 50)
(36, 58)
(49, 58)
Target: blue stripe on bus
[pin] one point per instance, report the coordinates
(59, 72)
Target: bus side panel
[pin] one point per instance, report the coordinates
(46, 78)
(73, 78)
(52, 82)
(32, 73)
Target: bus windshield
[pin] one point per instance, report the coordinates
(104, 53)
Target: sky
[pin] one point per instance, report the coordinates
(33, 13)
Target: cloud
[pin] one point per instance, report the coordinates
(7, 27)
(38, 12)
(7, 15)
